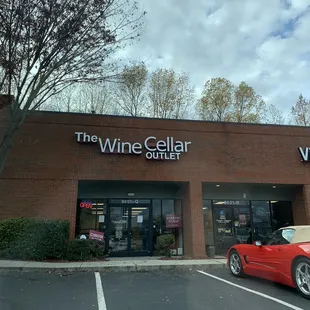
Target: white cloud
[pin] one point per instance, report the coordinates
(265, 43)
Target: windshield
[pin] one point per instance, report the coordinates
(281, 236)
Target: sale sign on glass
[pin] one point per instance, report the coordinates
(173, 221)
(96, 235)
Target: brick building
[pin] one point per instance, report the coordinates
(136, 178)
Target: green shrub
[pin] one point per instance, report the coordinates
(33, 239)
(85, 249)
(163, 245)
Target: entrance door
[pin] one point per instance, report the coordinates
(232, 224)
(224, 236)
(129, 230)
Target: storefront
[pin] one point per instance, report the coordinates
(130, 224)
(129, 180)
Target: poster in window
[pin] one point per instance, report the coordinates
(173, 221)
(223, 222)
(242, 219)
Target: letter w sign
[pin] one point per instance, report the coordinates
(304, 153)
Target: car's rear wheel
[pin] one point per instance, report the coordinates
(301, 274)
(235, 264)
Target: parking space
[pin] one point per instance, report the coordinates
(46, 291)
(143, 290)
(272, 289)
(190, 290)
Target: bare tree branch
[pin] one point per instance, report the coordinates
(130, 92)
(48, 45)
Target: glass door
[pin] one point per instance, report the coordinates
(261, 216)
(242, 223)
(232, 224)
(119, 230)
(140, 234)
(129, 230)
(224, 236)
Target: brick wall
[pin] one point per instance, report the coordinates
(45, 164)
(46, 148)
(299, 211)
(47, 199)
(194, 237)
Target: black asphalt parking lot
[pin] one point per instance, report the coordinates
(36, 291)
(146, 290)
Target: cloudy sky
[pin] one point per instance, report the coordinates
(263, 42)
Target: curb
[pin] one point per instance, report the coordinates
(135, 268)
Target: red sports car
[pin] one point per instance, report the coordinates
(283, 257)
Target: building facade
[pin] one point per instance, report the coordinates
(133, 179)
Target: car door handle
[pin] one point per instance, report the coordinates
(279, 249)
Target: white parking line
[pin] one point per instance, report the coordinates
(100, 296)
(251, 291)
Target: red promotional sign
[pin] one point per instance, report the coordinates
(96, 235)
(173, 221)
(86, 204)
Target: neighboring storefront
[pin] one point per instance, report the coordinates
(229, 222)
(129, 180)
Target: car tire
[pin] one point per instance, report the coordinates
(235, 264)
(301, 276)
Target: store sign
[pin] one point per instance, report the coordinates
(151, 148)
(96, 235)
(86, 204)
(231, 202)
(173, 221)
(304, 153)
(130, 201)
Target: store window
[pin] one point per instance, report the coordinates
(208, 223)
(261, 217)
(167, 208)
(167, 219)
(281, 214)
(91, 215)
(243, 221)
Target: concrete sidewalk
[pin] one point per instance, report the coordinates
(128, 264)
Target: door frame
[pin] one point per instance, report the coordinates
(129, 203)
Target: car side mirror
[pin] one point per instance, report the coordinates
(258, 243)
